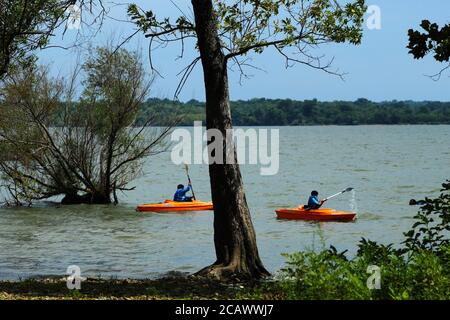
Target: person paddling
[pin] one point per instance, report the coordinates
(180, 194)
(314, 202)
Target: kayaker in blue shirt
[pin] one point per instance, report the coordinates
(180, 194)
(314, 202)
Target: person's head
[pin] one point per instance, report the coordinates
(314, 193)
(180, 186)
(412, 202)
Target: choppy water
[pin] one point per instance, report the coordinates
(387, 165)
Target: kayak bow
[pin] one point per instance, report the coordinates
(175, 206)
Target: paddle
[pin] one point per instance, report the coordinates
(189, 179)
(335, 195)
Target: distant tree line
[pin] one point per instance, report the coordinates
(286, 112)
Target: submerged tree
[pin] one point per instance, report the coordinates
(95, 151)
(225, 32)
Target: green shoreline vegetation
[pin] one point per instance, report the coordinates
(287, 112)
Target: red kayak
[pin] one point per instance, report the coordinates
(324, 214)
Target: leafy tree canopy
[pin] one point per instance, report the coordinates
(292, 27)
(26, 26)
(434, 40)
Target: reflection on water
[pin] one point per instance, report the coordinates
(387, 165)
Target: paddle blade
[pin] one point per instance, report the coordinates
(348, 190)
(186, 168)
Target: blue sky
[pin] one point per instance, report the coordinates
(379, 69)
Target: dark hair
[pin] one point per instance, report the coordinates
(314, 193)
(180, 186)
(412, 202)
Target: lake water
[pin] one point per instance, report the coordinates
(387, 165)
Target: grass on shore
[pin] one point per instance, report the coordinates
(166, 288)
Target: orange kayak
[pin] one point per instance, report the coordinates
(315, 214)
(174, 206)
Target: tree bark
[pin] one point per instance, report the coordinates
(234, 235)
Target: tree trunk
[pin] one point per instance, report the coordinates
(234, 235)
